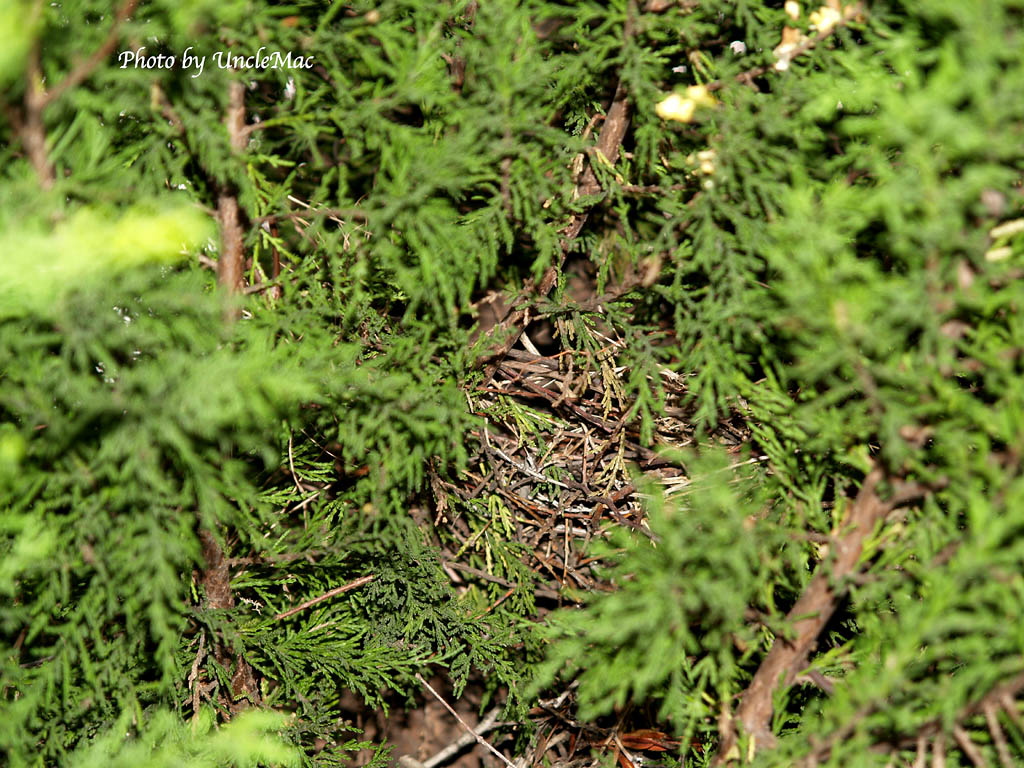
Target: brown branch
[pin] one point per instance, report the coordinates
(237, 132)
(939, 751)
(217, 576)
(968, 747)
(230, 263)
(326, 596)
(608, 144)
(998, 737)
(811, 613)
(29, 126)
(87, 67)
(32, 132)
(216, 580)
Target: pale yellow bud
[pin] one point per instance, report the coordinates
(792, 8)
(675, 107)
(825, 19)
(999, 254)
(1007, 229)
(700, 96)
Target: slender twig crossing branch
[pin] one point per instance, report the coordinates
(479, 739)
(86, 68)
(489, 723)
(29, 125)
(326, 596)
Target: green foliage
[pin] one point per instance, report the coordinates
(832, 255)
(676, 630)
(842, 279)
(88, 246)
(18, 25)
(150, 418)
(249, 740)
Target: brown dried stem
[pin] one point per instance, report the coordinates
(326, 596)
(29, 124)
(811, 613)
(216, 580)
(231, 262)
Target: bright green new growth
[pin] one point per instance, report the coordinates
(166, 742)
(41, 266)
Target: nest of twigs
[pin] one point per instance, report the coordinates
(561, 446)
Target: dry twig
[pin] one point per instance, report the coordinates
(475, 735)
(326, 596)
(811, 613)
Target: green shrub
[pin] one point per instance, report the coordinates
(220, 499)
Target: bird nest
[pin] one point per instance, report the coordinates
(559, 462)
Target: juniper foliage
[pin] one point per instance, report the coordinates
(831, 251)
(846, 279)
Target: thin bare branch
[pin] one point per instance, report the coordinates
(963, 740)
(87, 67)
(489, 723)
(326, 596)
(998, 737)
(479, 739)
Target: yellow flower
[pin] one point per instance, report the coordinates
(675, 107)
(825, 18)
(683, 108)
(700, 96)
(792, 8)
